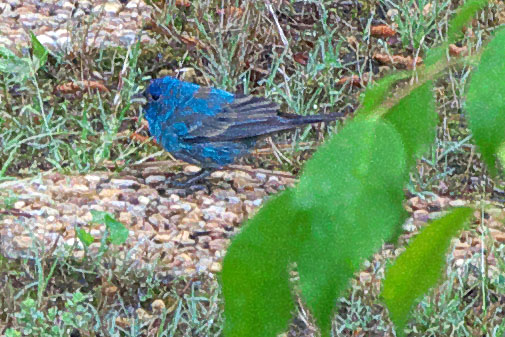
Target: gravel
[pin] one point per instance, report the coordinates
(61, 25)
(190, 233)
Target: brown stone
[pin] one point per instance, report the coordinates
(22, 242)
(110, 193)
(497, 235)
(162, 238)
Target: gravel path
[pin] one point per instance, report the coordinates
(60, 23)
(188, 234)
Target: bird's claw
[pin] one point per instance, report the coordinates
(190, 180)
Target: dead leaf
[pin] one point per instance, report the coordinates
(109, 290)
(192, 42)
(427, 9)
(468, 31)
(352, 41)
(143, 315)
(142, 139)
(354, 80)
(382, 31)
(457, 51)
(123, 322)
(301, 57)
(182, 3)
(497, 235)
(158, 306)
(74, 87)
(398, 60)
(231, 11)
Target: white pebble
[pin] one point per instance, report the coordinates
(143, 200)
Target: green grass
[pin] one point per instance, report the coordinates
(108, 297)
(55, 295)
(42, 130)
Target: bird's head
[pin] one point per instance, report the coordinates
(159, 96)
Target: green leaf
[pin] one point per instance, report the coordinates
(485, 101)
(85, 237)
(39, 51)
(415, 119)
(98, 216)
(6, 53)
(351, 193)
(464, 15)
(378, 92)
(12, 333)
(118, 232)
(462, 18)
(435, 54)
(78, 297)
(10, 64)
(255, 275)
(420, 266)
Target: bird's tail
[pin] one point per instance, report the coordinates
(254, 128)
(286, 122)
(294, 119)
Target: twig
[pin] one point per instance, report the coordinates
(277, 152)
(16, 213)
(279, 28)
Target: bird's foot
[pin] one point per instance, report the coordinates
(191, 180)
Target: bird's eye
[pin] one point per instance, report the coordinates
(155, 97)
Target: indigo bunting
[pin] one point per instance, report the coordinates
(211, 127)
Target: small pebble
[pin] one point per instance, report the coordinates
(155, 179)
(457, 203)
(144, 200)
(216, 267)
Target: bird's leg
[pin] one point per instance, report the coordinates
(200, 175)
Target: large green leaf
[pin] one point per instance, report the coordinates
(351, 192)
(485, 101)
(255, 275)
(462, 18)
(377, 93)
(415, 119)
(435, 55)
(420, 266)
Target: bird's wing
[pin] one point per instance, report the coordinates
(245, 117)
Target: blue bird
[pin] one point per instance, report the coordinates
(209, 127)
